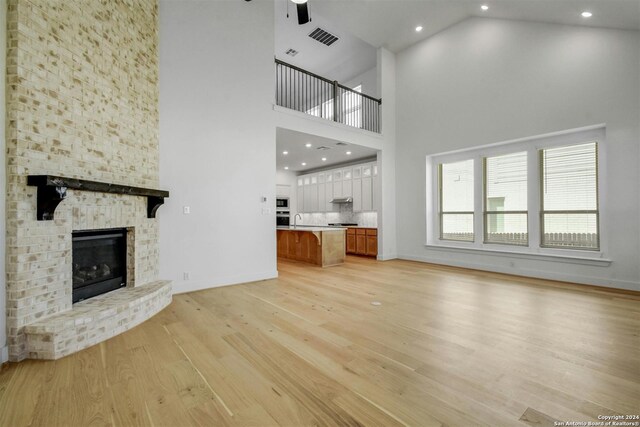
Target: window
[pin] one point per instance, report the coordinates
(570, 196)
(456, 201)
(505, 206)
(536, 195)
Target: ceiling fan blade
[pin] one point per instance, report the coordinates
(303, 13)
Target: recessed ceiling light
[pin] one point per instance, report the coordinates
(324, 159)
(419, 28)
(308, 145)
(348, 153)
(286, 168)
(484, 7)
(586, 14)
(285, 153)
(304, 164)
(299, 1)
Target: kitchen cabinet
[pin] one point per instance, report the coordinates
(372, 242)
(351, 240)
(362, 188)
(313, 194)
(306, 205)
(300, 195)
(315, 191)
(328, 192)
(347, 184)
(362, 241)
(320, 246)
(322, 193)
(337, 184)
(357, 189)
(367, 188)
(283, 190)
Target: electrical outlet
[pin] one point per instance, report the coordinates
(185, 275)
(186, 210)
(266, 211)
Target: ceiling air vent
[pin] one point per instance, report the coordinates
(322, 147)
(323, 37)
(291, 52)
(341, 144)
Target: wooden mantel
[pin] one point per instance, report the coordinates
(53, 189)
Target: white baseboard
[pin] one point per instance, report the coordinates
(386, 257)
(540, 274)
(4, 354)
(191, 286)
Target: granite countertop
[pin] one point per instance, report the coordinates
(311, 228)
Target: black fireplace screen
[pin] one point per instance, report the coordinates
(99, 262)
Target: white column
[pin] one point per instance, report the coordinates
(387, 245)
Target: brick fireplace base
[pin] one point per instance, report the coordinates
(95, 320)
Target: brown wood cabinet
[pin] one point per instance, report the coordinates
(320, 247)
(362, 241)
(351, 240)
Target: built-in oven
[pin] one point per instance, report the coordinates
(282, 203)
(282, 218)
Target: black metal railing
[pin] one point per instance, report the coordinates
(304, 91)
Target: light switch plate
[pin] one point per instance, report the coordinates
(186, 210)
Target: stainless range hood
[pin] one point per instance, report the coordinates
(342, 200)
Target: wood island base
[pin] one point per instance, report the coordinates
(323, 247)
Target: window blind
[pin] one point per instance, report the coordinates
(569, 189)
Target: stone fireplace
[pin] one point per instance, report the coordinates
(82, 102)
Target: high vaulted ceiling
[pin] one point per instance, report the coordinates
(391, 23)
(343, 60)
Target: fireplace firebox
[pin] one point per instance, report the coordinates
(99, 259)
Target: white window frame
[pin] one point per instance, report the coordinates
(532, 145)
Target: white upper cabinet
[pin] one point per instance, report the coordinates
(337, 189)
(367, 194)
(322, 194)
(328, 191)
(283, 190)
(315, 191)
(347, 188)
(313, 198)
(300, 195)
(356, 185)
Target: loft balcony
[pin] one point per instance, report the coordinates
(304, 91)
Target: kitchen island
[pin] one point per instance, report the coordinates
(323, 246)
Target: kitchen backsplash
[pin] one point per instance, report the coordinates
(346, 215)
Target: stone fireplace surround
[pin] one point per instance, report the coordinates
(82, 102)
(64, 328)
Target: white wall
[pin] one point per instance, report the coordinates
(484, 81)
(368, 80)
(217, 142)
(4, 355)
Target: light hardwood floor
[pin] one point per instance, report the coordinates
(446, 347)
